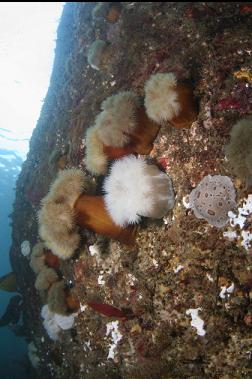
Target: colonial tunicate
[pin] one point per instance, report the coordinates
(212, 199)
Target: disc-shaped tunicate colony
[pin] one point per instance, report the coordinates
(212, 199)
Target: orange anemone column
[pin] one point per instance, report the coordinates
(145, 134)
(141, 139)
(189, 109)
(72, 302)
(91, 213)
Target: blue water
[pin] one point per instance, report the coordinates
(13, 349)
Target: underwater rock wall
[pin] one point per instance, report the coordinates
(182, 295)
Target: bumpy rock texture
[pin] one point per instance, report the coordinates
(180, 263)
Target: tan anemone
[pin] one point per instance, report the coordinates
(167, 99)
(122, 128)
(67, 208)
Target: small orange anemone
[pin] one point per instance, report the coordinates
(72, 302)
(113, 13)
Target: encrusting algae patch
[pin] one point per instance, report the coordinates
(176, 302)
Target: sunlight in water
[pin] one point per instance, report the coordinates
(27, 42)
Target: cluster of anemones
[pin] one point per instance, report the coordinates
(60, 302)
(133, 188)
(125, 128)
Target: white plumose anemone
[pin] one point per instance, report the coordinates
(161, 97)
(134, 189)
(55, 323)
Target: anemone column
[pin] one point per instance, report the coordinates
(91, 213)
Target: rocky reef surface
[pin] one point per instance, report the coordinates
(186, 288)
